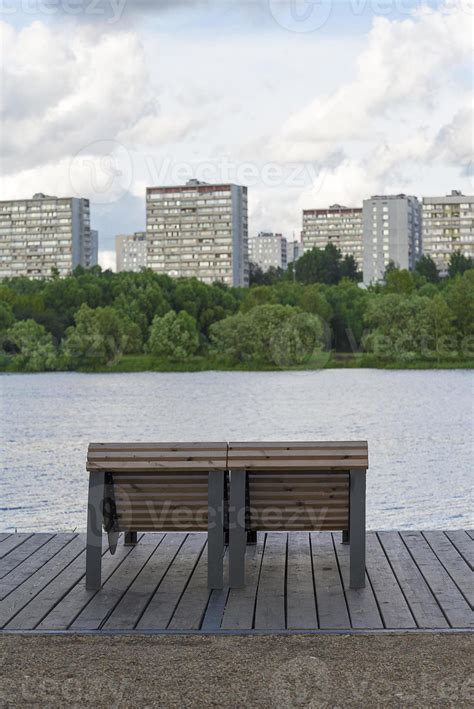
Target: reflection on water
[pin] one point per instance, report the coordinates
(418, 424)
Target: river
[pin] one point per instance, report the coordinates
(419, 425)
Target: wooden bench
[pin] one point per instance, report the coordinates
(144, 487)
(297, 486)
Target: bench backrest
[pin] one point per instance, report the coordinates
(298, 486)
(158, 486)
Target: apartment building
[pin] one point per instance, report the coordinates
(91, 251)
(45, 233)
(268, 250)
(294, 250)
(338, 225)
(199, 230)
(447, 226)
(391, 232)
(131, 252)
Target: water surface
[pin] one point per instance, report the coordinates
(419, 425)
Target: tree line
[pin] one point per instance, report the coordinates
(94, 319)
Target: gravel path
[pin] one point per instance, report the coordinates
(419, 670)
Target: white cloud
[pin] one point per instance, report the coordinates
(406, 67)
(107, 259)
(454, 142)
(65, 90)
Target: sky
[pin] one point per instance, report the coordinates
(307, 102)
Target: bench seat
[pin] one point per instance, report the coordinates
(145, 487)
(298, 486)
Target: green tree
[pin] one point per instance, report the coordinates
(267, 334)
(258, 277)
(175, 336)
(458, 264)
(6, 316)
(299, 337)
(348, 302)
(33, 347)
(399, 281)
(99, 337)
(425, 266)
(258, 295)
(407, 327)
(460, 298)
(313, 300)
(319, 266)
(348, 268)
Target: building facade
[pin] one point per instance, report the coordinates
(199, 230)
(268, 250)
(338, 225)
(391, 233)
(447, 226)
(131, 252)
(91, 255)
(45, 233)
(294, 250)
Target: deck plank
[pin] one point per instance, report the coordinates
(240, 607)
(103, 603)
(463, 544)
(63, 614)
(164, 601)
(217, 602)
(448, 595)
(393, 607)
(363, 610)
(215, 609)
(33, 563)
(192, 605)
(4, 535)
(132, 604)
(25, 594)
(13, 541)
(470, 532)
(453, 562)
(293, 581)
(330, 598)
(423, 604)
(22, 552)
(270, 607)
(300, 598)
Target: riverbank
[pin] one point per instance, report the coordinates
(340, 670)
(324, 360)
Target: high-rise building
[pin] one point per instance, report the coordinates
(130, 251)
(268, 250)
(338, 225)
(198, 230)
(392, 233)
(294, 250)
(45, 233)
(447, 226)
(91, 255)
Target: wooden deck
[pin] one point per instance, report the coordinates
(297, 581)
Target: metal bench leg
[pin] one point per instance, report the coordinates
(130, 539)
(251, 536)
(215, 529)
(94, 531)
(357, 528)
(345, 536)
(237, 535)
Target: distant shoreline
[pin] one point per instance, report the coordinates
(128, 364)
